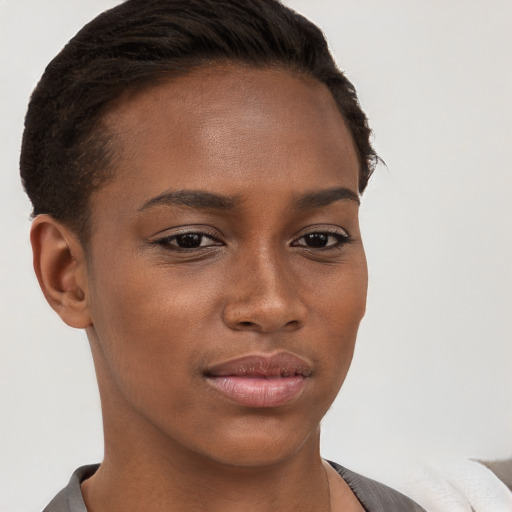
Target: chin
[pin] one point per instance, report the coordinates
(262, 443)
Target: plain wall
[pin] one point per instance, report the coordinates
(433, 365)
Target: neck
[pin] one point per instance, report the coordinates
(173, 479)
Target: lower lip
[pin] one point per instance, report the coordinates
(258, 391)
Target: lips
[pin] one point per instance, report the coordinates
(260, 380)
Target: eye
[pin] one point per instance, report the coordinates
(185, 241)
(322, 240)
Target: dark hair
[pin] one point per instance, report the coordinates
(67, 153)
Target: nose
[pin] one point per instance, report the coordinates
(264, 296)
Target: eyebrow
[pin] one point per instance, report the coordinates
(193, 198)
(207, 200)
(313, 200)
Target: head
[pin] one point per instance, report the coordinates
(195, 171)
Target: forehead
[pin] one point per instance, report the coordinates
(225, 127)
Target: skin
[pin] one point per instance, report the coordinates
(158, 315)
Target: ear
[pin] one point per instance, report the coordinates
(61, 269)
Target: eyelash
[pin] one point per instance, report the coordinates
(167, 241)
(341, 238)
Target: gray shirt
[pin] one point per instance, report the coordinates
(374, 497)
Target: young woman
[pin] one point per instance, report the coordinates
(195, 169)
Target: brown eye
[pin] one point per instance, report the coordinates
(316, 240)
(188, 241)
(322, 240)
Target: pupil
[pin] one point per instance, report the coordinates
(189, 240)
(316, 240)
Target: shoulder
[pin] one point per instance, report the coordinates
(70, 498)
(374, 496)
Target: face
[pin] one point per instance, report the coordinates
(226, 276)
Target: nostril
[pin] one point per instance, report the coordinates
(292, 324)
(266, 325)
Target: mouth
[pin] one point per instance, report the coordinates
(260, 380)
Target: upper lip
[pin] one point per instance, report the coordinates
(281, 364)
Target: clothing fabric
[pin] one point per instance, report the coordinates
(455, 484)
(70, 499)
(374, 496)
(502, 469)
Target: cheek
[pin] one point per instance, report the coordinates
(133, 297)
(346, 306)
(338, 293)
(341, 305)
(148, 326)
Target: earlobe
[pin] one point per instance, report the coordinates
(60, 267)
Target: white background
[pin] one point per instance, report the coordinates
(432, 371)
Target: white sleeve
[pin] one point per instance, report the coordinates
(456, 486)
